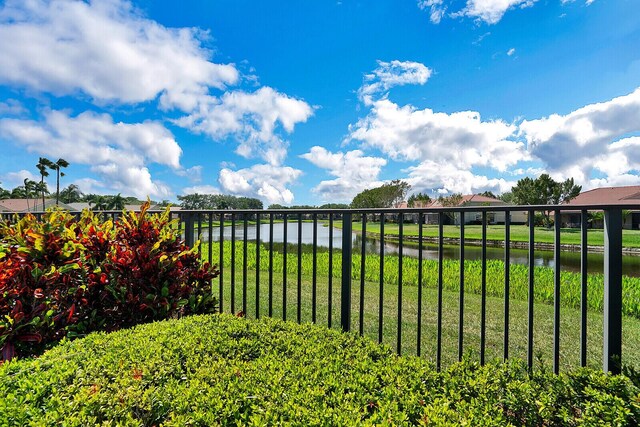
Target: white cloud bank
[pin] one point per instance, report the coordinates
(266, 181)
(117, 152)
(596, 136)
(108, 52)
(354, 171)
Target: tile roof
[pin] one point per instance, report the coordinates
(608, 196)
(472, 198)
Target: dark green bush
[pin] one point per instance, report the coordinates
(221, 370)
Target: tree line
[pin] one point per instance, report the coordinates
(543, 190)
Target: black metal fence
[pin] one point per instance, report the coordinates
(211, 226)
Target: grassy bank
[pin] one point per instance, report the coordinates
(519, 233)
(543, 312)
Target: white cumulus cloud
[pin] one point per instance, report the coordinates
(264, 181)
(390, 74)
(117, 152)
(252, 118)
(106, 50)
(353, 170)
(595, 135)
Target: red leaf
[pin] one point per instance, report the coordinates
(71, 311)
(8, 351)
(30, 338)
(38, 293)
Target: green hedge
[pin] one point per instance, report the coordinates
(220, 370)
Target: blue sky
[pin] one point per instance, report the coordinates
(312, 102)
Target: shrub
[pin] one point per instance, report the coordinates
(222, 370)
(61, 276)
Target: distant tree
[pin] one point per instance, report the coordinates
(4, 194)
(506, 197)
(544, 191)
(276, 206)
(418, 199)
(115, 203)
(71, 194)
(218, 201)
(40, 188)
(43, 165)
(193, 201)
(451, 201)
(334, 206)
(98, 202)
(30, 190)
(384, 196)
(164, 203)
(61, 163)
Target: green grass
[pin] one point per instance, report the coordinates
(543, 312)
(519, 233)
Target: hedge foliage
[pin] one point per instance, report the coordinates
(60, 276)
(220, 370)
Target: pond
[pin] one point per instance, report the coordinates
(568, 260)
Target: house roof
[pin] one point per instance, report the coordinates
(475, 199)
(28, 205)
(608, 196)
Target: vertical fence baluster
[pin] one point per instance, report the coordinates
(556, 294)
(244, 264)
(299, 306)
(612, 348)
(221, 263)
(314, 269)
(381, 285)
(284, 269)
(507, 271)
(483, 290)
(258, 247)
(362, 271)
(345, 291)
(199, 228)
(330, 284)
(400, 238)
(530, 297)
(419, 338)
(461, 298)
(439, 319)
(270, 264)
(210, 237)
(583, 288)
(233, 263)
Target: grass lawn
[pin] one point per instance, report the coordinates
(519, 233)
(543, 319)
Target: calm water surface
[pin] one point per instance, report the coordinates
(568, 260)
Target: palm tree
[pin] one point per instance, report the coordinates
(99, 202)
(40, 188)
(116, 203)
(71, 194)
(29, 188)
(43, 165)
(61, 163)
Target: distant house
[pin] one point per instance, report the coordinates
(604, 196)
(29, 205)
(470, 217)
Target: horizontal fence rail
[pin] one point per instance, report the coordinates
(258, 262)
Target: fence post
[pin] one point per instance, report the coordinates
(345, 294)
(611, 357)
(189, 232)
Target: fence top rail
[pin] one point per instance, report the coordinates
(428, 210)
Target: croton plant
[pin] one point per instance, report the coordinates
(67, 276)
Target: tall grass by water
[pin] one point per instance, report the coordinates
(495, 273)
